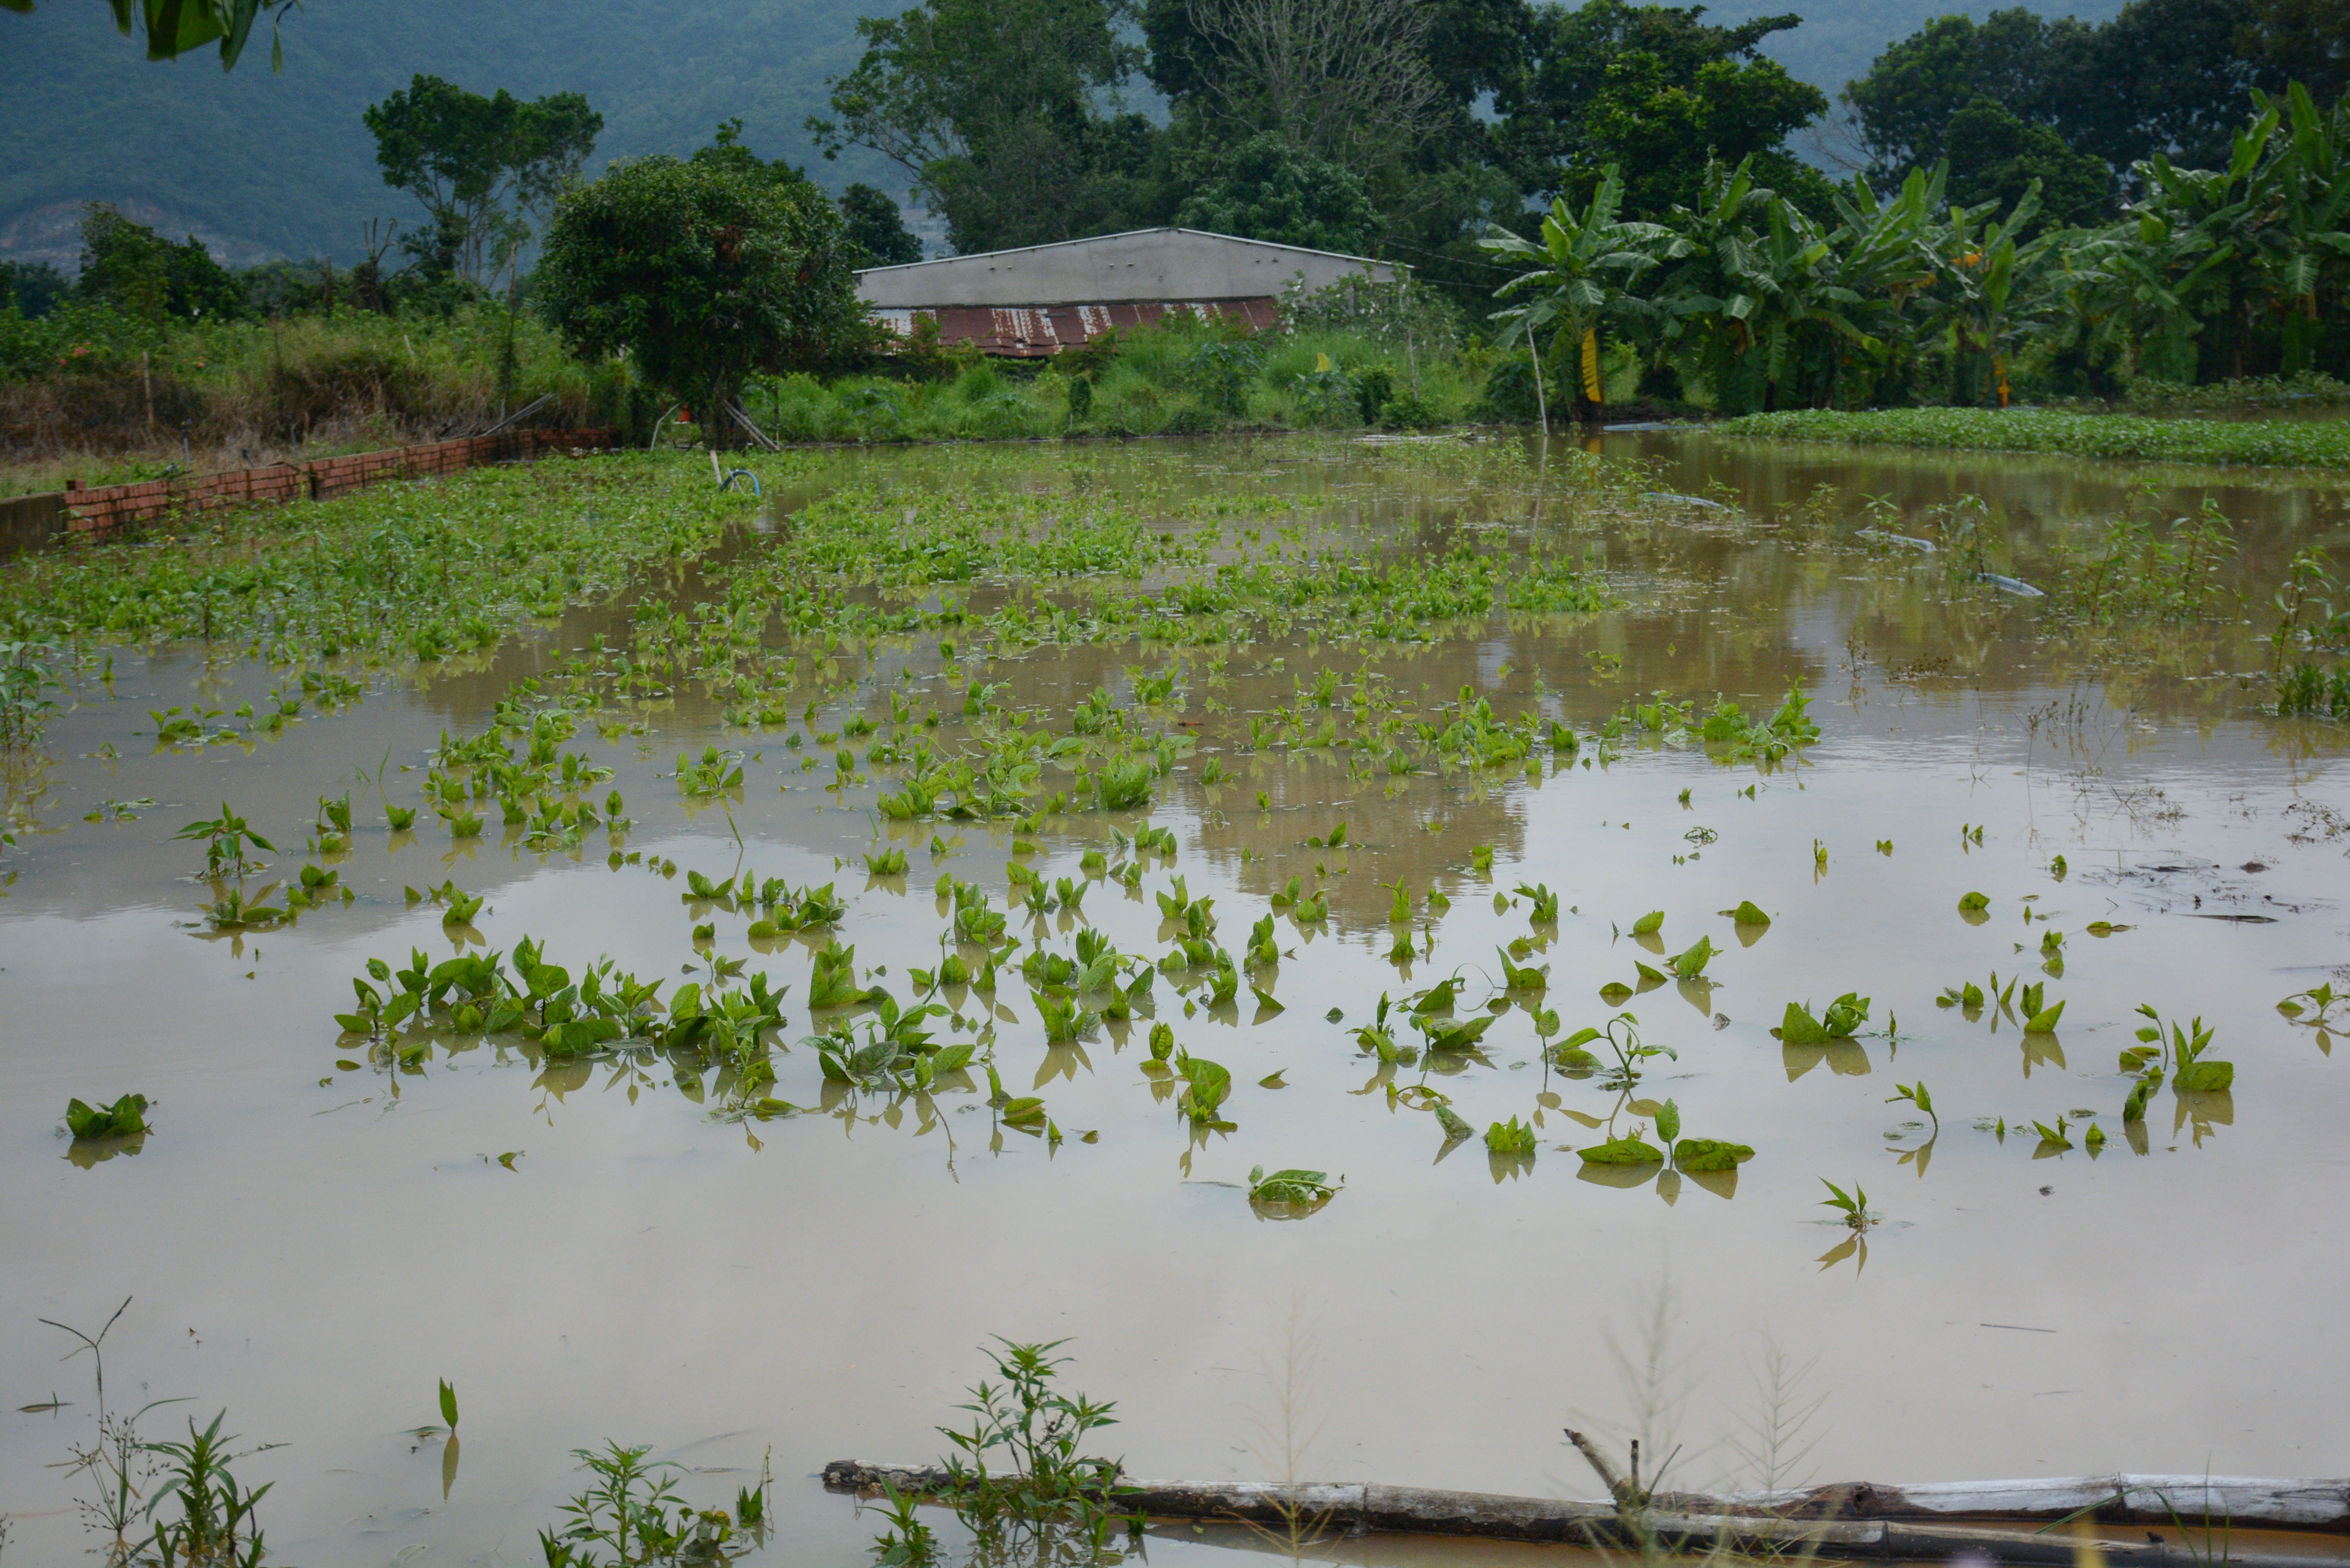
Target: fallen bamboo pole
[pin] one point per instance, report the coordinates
(1907, 1523)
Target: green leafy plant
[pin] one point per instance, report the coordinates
(2178, 1054)
(1838, 1021)
(226, 839)
(1917, 1095)
(633, 1511)
(124, 1118)
(1020, 1480)
(1290, 1189)
(216, 1524)
(1853, 1205)
(1510, 1137)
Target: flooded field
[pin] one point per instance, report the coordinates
(1133, 848)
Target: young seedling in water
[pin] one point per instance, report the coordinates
(225, 839)
(1853, 1206)
(1917, 1095)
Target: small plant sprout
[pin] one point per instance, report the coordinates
(1917, 1095)
(225, 839)
(1853, 1206)
(2317, 1002)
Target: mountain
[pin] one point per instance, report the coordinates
(261, 165)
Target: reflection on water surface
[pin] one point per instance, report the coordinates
(719, 1244)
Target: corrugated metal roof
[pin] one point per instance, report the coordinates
(1140, 266)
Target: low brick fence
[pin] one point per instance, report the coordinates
(26, 520)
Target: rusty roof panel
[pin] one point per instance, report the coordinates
(1040, 331)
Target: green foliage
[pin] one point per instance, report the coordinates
(877, 229)
(701, 277)
(136, 271)
(1853, 1205)
(1266, 188)
(2289, 443)
(1996, 158)
(392, 571)
(175, 28)
(633, 1511)
(471, 160)
(988, 107)
(1839, 1020)
(1648, 87)
(125, 1117)
(216, 1524)
(1510, 1137)
(1021, 1480)
(1623, 1151)
(2136, 575)
(225, 839)
(1295, 1188)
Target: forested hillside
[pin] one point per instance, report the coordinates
(262, 164)
(265, 165)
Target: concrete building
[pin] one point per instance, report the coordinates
(1037, 300)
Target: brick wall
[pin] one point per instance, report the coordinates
(97, 512)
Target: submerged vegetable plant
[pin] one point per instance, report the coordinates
(1853, 1205)
(225, 839)
(123, 1118)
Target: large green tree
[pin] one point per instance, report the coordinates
(139, 271)
(2306, 40)
(1268, 189)
(2162, 76)
(995, 110)
(1656, 90)
(1994, 156)
(702, 276)
(477, 162)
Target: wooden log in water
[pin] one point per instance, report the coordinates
(1912, 1523)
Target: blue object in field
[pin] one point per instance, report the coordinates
(734, 475)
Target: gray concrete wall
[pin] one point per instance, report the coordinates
(1147, 264)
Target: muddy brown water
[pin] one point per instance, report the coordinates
(312, 1248)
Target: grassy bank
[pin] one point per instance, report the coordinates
(2274, 442)
(108, 400)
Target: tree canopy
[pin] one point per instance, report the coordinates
(472, 161)
(701, 274)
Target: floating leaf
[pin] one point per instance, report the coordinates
(1702, 1155)
(2045, 1023)
(1623, 1151)
(2205, 1077)
(1653, 920)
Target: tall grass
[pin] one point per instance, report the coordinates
(232, 394)
(1170, 381)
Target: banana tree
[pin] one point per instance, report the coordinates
(2305, 249)
(1885, 251)
(1583, 279)
(1996, 295)
(1759, 302)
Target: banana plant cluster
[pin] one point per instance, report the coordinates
(1771, 309)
